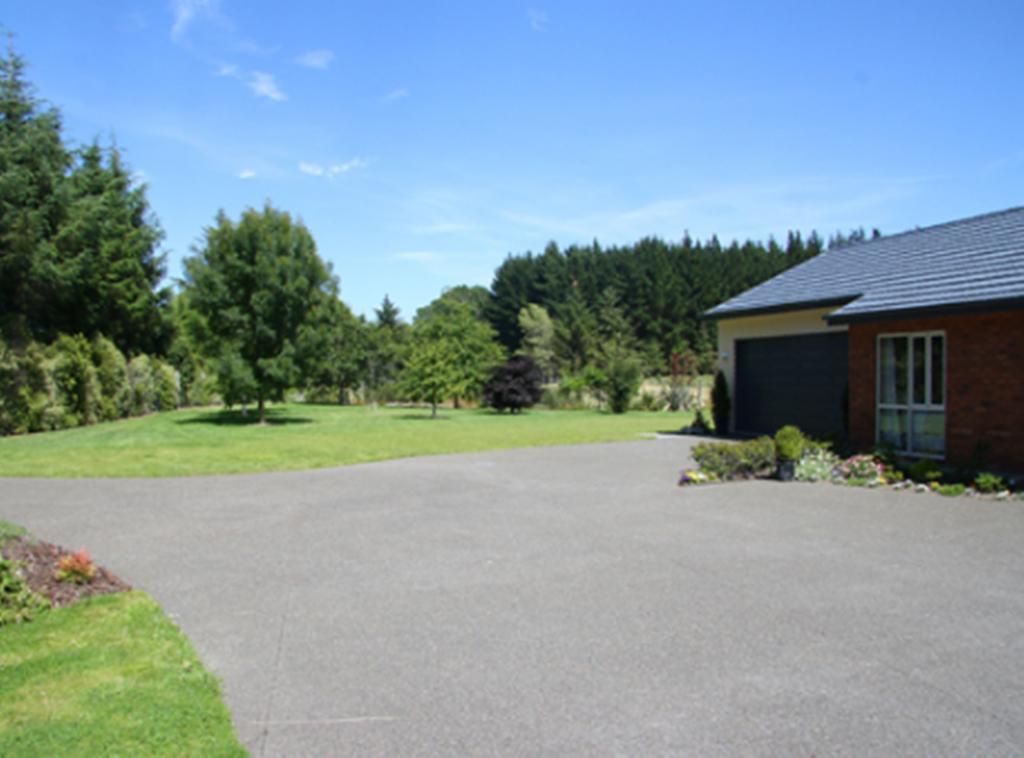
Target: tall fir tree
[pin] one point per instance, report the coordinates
(33, 163)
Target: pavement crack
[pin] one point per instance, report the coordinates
(275, 674)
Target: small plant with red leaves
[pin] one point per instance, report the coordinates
(76, 567)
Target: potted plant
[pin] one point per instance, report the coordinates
(789, 448)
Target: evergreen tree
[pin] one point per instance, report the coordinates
(386, 342)
(388, 315)
(255, 283)
(107, 259)
(575, 333)
(78, 243)
(33, 162)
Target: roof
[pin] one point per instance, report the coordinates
(976, 262)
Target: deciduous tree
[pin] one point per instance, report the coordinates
(255, 283)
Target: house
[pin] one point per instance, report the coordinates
(914, 340)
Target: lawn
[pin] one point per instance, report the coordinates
(196, 442)
(108, 676)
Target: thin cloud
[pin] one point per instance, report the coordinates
(187, 11)
(246, 173)
(538, 19)
(264, 85)
(320, 59)
(318, 169)
(344, 168)
(397, 94)
(228, 69)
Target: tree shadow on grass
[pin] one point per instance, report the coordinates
(275, 417)
(423, 417)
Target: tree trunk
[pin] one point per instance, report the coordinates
(455, 402)
(262, 412)
(433, 410)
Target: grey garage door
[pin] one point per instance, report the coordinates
(791, 380)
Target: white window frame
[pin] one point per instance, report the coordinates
(910, 406)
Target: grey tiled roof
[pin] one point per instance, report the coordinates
(973, 261)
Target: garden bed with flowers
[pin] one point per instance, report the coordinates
(791, 456)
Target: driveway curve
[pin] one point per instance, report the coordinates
(572, 600)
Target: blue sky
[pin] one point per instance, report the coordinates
(422, 142)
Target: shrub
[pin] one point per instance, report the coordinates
(924, 471)
(76, 568)
(816, 466)
(17, 602)
(140, 379)
(789, 443)
(154, 385)
(721, 405)
(617, 382)
(74, 378)
(648, 401)
(165, 386)
(27, 395)
(951, 490)
(989, 483)
(514, 385)
(112, 375)
(675, 396)
(740, 460)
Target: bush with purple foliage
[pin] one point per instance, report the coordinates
(515, 385)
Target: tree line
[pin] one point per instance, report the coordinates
(89, 332)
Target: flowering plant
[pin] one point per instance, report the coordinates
(695, 477)
(816, 466)
(861, 467)
(76, 567)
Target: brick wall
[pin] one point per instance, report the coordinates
(984, 384)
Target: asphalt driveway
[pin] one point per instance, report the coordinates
(573, 600)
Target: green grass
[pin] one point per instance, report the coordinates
(108, 676)
(194, 442)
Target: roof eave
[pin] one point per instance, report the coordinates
(780, 308)
(945, 309)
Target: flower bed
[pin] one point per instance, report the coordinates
(810, 461)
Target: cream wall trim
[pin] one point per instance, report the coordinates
(788, 323)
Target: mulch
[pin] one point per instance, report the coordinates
(37, 565)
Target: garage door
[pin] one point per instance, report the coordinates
(791, 380)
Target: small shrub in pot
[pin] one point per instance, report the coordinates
(789, 448)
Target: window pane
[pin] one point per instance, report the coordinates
(929, 431)
(893, 370)
(920, 369)
(938, 375)
(892, 428)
